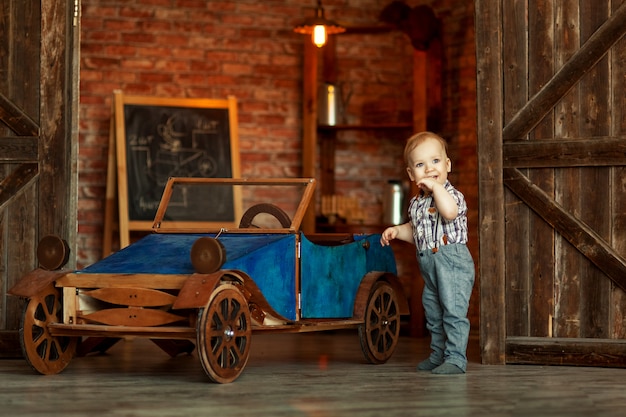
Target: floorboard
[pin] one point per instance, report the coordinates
(314, 375)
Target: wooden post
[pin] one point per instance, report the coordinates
(309, 126)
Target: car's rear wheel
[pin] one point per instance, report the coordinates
(45, 353)
(380, 330)
(224, 331)
(247, 220)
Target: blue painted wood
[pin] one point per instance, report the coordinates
(272, 267)
(330, 275)
(270, 259)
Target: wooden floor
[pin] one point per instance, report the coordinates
(313, 375)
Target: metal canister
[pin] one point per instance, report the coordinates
(328, 105)
(393, 203)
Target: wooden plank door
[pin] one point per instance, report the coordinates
(552, 181)
(38, 137)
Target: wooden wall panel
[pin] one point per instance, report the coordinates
(563, 141)
(518, 264)
(553, 290)
(566, 320)
(595, 204)
(541, 253)
(58, 121)
(21, 87)
(490, 186)
(38, 133)
(21, 222)
(617, 62)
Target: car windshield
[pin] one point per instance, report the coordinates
(206, 205)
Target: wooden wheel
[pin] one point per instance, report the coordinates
(45, 353)
(250, 214)
(381, 329)
(224, 331)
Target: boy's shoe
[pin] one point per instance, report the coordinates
(426, 365)
(447, 368)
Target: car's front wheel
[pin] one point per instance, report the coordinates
(380, 330)
(45, 353)
(223, 333)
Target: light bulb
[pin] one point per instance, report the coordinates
(319, 35)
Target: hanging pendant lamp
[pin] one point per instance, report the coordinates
(319, 27)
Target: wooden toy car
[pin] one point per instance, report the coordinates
(191, 284)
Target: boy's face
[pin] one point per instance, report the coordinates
(429, 160)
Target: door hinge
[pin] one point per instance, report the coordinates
(76, 12)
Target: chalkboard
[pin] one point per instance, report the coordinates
(159, 138)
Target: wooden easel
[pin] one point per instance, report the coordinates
(110, 201)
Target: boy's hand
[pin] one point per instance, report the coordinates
(388, 235)
(427, 184)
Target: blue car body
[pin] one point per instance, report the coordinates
(329, 274)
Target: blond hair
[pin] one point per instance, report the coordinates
(417, 139)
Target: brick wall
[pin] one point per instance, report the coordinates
(245, 48)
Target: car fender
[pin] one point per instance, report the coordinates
(363, 293)
(35, 282)
(198, 288)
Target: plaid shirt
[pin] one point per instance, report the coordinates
(430, 230)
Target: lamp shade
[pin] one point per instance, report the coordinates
(319, 27)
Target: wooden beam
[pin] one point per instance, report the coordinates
(566, 351)
(576, 232)
(19, 149)
(569, 74)
(16, 181)
(491, 205)
(309, 125)
(18, 121)
(595, 152)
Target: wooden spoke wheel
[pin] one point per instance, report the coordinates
(45, 353)
(224, 331)
(381, 329)
(247, 220)
(207, 255)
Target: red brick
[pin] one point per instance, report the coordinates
(136, 12)
(136, 37)
(191, 4)
(138, 64)
(171, 40)
(120, 50)
(120, 25)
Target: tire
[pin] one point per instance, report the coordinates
(380, 330)
(224, 331)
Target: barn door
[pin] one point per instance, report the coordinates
(38, 102)
(552, 157)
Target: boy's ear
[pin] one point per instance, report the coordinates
(408, 170)
(449, 165)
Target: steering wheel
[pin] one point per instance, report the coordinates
(267, 208)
